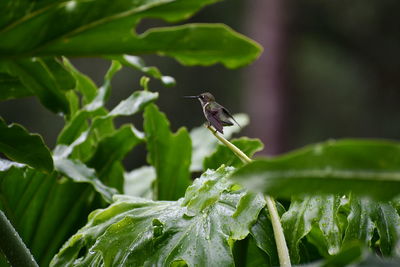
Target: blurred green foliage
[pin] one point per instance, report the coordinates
(81, 195)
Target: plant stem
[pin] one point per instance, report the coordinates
(231, 146)
(12, 245)
(283, 252)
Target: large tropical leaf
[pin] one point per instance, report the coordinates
(196, 230)
(85, 28)
(367, 216)
(364, 167)
(333, 223)
(169, 153)
(316, 214)
(44, 208)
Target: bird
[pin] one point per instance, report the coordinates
(216, 115)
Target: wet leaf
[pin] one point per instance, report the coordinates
(367, 215)
(198, 229)
(319, 212)
(42, 207)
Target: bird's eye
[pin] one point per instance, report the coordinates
(202, 96)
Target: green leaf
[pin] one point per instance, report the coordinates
(21, 146)
(318, 219)
(112, 149)
(137, 63)
(115, 146)
(350, 254)
(104, 91)
(83, 139)
(138, 183)
(44, 77)
(200, 44)
(364, 167)
(90, 125)
(224, 155)
(367, 215)
(133, 104)
(77, 28)
(169, 153)
(355, 254)
(11, 87)
(387, 221)
(263, 236)
(75, 127)
(139, 232)
(80, 173)
(204, 143)
(318, 213)
(128, 107)
(42, 207)
(83, 83)
(255, 257)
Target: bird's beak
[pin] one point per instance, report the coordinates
(191, 96)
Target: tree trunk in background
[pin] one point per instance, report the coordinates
(264, 79)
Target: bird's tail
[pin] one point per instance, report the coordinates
(236, 122)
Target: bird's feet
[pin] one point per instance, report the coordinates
(209, 126)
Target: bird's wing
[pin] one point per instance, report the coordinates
(211, 114)
(228, 114)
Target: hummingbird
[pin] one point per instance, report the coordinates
(216, 115)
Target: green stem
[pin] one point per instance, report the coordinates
(283, 252)
(231, 146)
(12, 245)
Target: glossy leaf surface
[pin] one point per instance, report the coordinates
(197, 229)
(318, 212)
(43, 208)
(367, 216)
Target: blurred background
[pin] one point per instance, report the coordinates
(330, 69)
